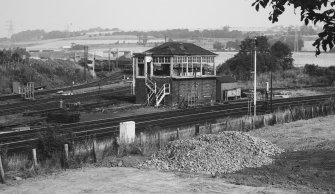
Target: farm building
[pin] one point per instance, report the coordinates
(175, 74)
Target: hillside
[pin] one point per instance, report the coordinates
(50, 73)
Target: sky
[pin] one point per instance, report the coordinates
(134, 14)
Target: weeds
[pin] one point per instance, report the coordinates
(89, 150)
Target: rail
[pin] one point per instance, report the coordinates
(108, 127)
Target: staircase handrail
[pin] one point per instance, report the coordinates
(162, 93)
(150, 84)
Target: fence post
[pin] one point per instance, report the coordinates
(34, 159)
(66, 152)
(94, 146)
(312, 111)
(2, 172)
(160, 140)
(197, 129)
(178, 133)
(141, 139)
(252, 123)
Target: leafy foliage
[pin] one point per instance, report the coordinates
(17, 55)
(28, 35)
(185, 33)
(50, 73)
(282, 55)
(307, 30)
(233, 45)
(31, 35)
(218, 45)
(276, 57)
(320, 11)
(327, 72)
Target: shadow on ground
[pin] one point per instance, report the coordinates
(313, 170)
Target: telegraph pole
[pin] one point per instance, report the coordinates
(109, 60)
(134, 74)
(271, 91)
(10, 33)
(116, 59)
(255, 74)
(85, 60)
(296, 40)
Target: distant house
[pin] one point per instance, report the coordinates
(175, 73)
(66, 47)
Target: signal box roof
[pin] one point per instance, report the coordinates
(177, 48)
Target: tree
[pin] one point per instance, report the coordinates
(307, 30)
(276, 57)
(320, 11)
(233, 45)
(218, 45)
(28, 35)
(282, 56)
(289, 40)
(241, 64)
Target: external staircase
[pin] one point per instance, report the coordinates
(151, 91)
(156, 96)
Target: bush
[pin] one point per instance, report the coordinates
(52, 142)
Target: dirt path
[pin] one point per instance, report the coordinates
(129, 180)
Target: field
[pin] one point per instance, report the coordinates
(323, 60)
(129, 43)
(300, 58)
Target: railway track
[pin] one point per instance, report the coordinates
(103, 127)
(53, 102)
(109, 127)
(103, 81)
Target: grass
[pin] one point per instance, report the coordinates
(289, 78)
(51, 73)
(89, 151)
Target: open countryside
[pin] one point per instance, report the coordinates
(100, 44)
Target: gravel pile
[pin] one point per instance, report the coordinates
(213, 153)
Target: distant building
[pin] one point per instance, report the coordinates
(17, 87)
(175, 74)
(227, 89)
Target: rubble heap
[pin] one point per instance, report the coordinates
(213, 153)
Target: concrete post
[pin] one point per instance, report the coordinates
(127, 132)
(61, 104)
(66, 153)
(34, 158)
